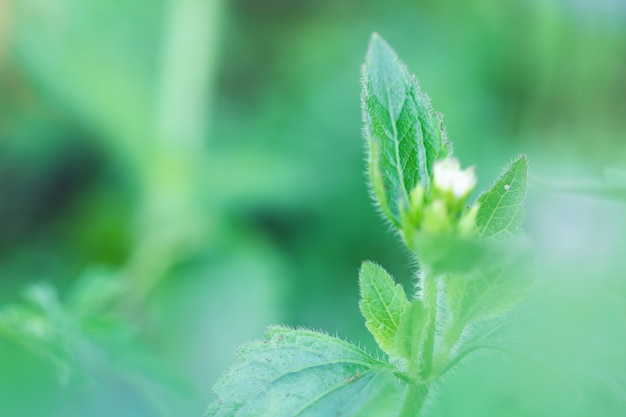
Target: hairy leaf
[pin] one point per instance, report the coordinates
(404, 135)
(305, 373)
(411, 332)
(501, 210)
(382, 303)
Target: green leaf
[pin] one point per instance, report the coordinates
(405, 136)
(382, 303)
(493, 289)
(412, 331)
(502, 210)
(479, 280)
(444, 254)
(305, 373)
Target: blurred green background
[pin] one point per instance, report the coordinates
(176, 175)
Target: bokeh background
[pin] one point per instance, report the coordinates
(177, 174)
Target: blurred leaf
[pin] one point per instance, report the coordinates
(496, 287)
(442, 254)
(404, 134)
(38, 324)
(501, 210)
(92, 62)
(612, 185)
(411, 331)
(382, 303)
(615, 175)
(304, 373)
(481, 279)
(95, 292)
(62, 331)
(36, 320)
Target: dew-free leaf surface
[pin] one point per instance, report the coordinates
(502, 210)
(382, 303)
(405, 135)
(305, 373)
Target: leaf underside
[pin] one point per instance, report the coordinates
(305, 373)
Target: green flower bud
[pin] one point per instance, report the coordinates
(436, 218)
(467, 223)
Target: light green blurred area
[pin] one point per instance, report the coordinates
(176, 175)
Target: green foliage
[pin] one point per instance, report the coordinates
(99, 98)
(383, 303)
(404, 134)
(465, 277)
(501, 208)
(411, 332)
(305, 373)
(63, 331)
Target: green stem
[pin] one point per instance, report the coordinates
(414, 401)
(172, 220)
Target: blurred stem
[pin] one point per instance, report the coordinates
(4, 20)
(190, 49)
(173, 220)
(414, 401)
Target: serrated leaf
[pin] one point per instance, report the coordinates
(502, 210)
(382, 303)
(405, 136)
(305, 373)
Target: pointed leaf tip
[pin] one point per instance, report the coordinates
(405, 136)
(305, 373)
(501, 208)
(377, 41)
(382, 303)
(375, 37)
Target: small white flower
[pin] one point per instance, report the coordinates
(448, 177)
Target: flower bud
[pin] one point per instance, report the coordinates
(449, 179)
(467, 222)
(436, 218)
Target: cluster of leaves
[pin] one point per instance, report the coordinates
(474, 267)
(65, 331)
(79, 345)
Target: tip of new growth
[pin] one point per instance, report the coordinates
(378, 46)
(376, 38)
